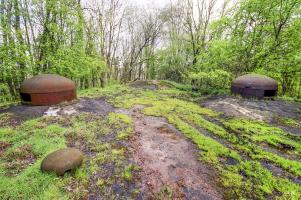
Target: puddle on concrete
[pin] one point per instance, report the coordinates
(52, 111)
(95, 106)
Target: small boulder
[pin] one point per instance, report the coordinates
(62, 161)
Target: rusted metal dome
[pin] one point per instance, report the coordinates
(47, 89)
(255, 85)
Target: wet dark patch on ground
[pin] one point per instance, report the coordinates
(9, 120)
(97, 106)
(3, 147)
(18, 160)
(25, 112)
(21, 113)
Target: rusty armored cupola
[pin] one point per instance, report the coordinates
(255, 85)
(47, 89)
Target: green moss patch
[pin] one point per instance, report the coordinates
(288, 122)
(107, 164)
(20, 173)
(260, 132)
(101, 139)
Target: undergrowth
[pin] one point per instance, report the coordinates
(100, 138)
(20, 178)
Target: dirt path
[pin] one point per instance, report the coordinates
(170, 168)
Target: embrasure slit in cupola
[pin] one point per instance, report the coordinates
(25, 97)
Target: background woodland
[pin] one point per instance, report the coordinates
(197, 42)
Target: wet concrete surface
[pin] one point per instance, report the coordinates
(26, 112)
(82, 105)
(264, 110)
(96, 106)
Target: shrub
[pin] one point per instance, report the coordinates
(5, 96)
(217, 80)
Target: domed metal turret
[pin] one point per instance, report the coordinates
(255, 85)
(47, 89)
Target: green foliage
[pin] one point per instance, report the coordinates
(109, 91)
(250, 132)
(5, 96)
(212, 151)
(51, 41)
(288, 122)
(172, 63)
(123, 123)
(259, 183)
(265, 37)
(261, 132)
(56, 37)
(219, 56)
(252, 36)
(76, 64)
(207, 82)
(184, 87)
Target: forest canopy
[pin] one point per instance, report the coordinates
(206, 43)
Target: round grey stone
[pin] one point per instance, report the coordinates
(62, 161)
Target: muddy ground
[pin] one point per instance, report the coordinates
(169, 163)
